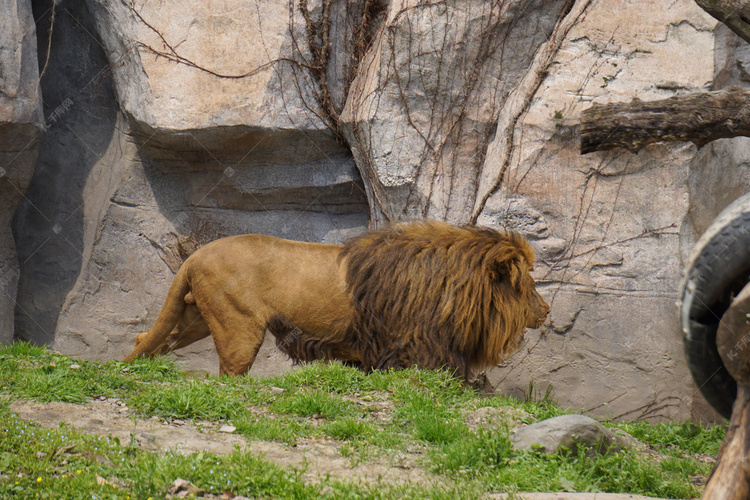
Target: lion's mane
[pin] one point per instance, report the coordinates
(429, 294)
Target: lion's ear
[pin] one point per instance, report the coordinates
(512, 270)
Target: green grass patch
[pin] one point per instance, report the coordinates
(193, 399)
(620, 472)
(384, 416)
(679, 438)
(315, 403)
(53, 385)
(430, 417)
(477, 453)
(332, 378)
(64, 464)
(349, 429)
(36, 373)
(265, 428)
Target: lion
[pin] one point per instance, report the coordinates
(422, 293)
(432, 295)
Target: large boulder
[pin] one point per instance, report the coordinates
(570, 434)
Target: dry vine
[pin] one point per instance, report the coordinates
(49, 40)
(318, 45)
(367, 14)
(520, 99)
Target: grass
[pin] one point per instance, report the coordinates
(383, 416)
(313, 403)
(200, 400)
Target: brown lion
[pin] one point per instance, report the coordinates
(424, 293)
(432, 295)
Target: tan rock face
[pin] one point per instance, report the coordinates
(428, 94)
(228, 39)
(192, 121)
(608, 227)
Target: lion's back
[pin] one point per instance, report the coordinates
(271, 275)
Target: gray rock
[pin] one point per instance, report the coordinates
(431, 64)
(129, 183)
(568, 433)
(21, 123)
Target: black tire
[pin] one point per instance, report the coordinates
(718, 269)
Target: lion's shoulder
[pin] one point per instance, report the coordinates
(421, 287)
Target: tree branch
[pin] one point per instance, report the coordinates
(698, 118)
(734, 13)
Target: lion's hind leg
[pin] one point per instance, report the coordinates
(237, 336)
(162, 348)
(190, 328)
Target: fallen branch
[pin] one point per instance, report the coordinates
(733, 13)
(699, 118)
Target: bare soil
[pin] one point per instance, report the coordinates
(318, 456)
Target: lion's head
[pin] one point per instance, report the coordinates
(435, 295)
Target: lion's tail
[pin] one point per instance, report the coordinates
(171, 311)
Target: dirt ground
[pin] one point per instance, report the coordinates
(107, 417)
(321, 457)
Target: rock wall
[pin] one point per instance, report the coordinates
(21, 124)
(611, 229)
(427, 98)
(495, 140)
(180, 122)
(154, 159)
